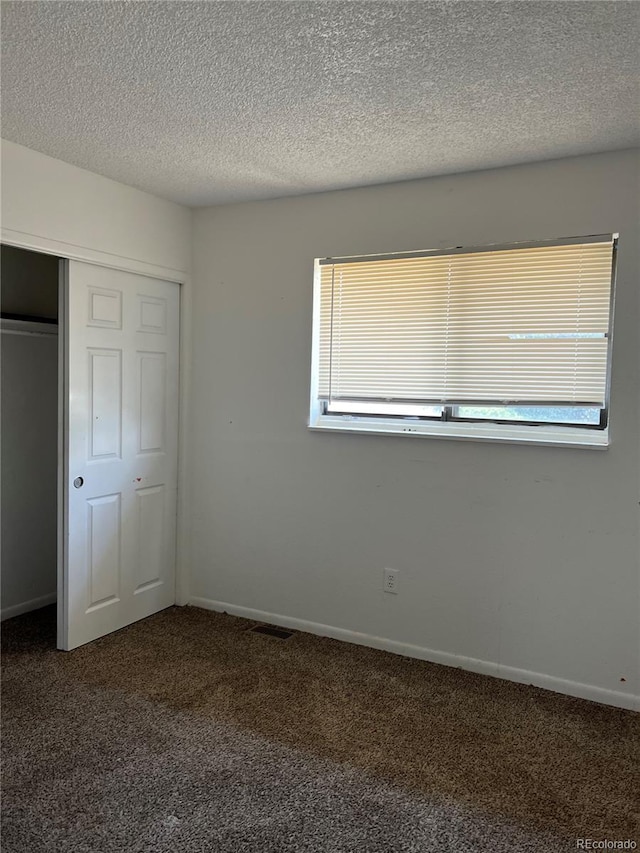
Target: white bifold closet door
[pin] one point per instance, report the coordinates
(120, 489)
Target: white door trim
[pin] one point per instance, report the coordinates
(70, 251)
(46, 246)
(63, 451)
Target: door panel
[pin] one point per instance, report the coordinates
(151, 509)
(122, 343)
(105, 407)
(104, 550)
(152, 413)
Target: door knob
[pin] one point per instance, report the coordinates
(78, 482)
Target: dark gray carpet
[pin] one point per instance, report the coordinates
(186, 733)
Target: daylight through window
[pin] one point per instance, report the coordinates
(517, 334)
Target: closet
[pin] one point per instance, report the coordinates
(90, 410)
(29, 429)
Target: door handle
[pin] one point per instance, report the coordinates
(78, 482)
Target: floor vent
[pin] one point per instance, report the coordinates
(270, 631)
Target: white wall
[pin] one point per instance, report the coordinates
(29, 408)
(515, 560)
(45, 200)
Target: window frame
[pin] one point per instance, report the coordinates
(451, 426)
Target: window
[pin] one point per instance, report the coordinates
(508, 343)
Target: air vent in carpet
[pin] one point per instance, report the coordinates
(280, 633)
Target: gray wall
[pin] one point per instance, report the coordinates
(520, 561)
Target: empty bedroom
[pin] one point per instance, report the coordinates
(320, 414)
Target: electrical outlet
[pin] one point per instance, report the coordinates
(391, 581)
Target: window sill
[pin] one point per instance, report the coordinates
(552, 436)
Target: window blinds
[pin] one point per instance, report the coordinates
(516, 325)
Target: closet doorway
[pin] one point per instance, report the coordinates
(29, 429)
(90, 390)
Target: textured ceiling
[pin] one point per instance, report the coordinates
(211, 102)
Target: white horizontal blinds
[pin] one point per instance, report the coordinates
(523, 325)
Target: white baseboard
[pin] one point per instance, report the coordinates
(26, 606)
(509, 673)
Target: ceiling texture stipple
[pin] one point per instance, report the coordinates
(215, 102)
